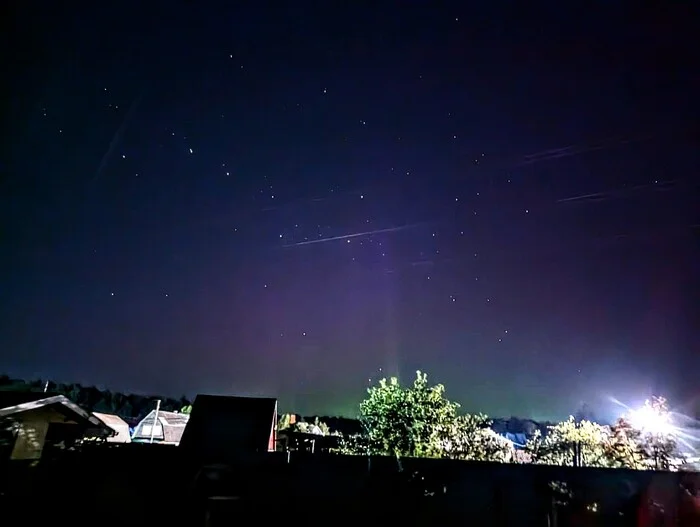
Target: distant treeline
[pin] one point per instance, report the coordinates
(130, 407)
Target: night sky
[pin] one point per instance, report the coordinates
(292, 201)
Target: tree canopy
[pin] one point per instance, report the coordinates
(571, 443)
(411, 421)
(419, 421)
(646, 443)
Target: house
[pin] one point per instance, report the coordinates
(36, 421)
(167, 431)
(116, 423)
(224, 428)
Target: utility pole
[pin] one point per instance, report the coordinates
(155, 420)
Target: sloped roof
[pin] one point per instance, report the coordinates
(222, 427)
(167, 418)
(173, 425)
(116, 423)
(20, 402)
(173, 418)
(16, 398)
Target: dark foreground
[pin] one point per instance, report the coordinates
(134, 485)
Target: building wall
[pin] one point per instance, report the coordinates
(32, 430)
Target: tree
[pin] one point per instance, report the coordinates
(355, 444)
(419, 421)
(412, 421)
(285, 421)
(624, 447)
(187, 409)
(470, 438)
(571, 443)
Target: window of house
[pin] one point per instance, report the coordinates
(146, 431)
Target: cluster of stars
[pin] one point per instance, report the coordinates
(373, 247)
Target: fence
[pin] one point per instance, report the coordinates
(155, 484)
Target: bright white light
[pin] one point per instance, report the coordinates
(648, 420)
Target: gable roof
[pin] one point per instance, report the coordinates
(20, 402)
(116, 423)
(15, 398)
(166, 418)
(222, 427)
(173, 424)
(171, 418)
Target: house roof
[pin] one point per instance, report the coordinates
(223, 426)
(116, 423)
(173, 425)
(9, 399)
(13, 403)
(171, 418)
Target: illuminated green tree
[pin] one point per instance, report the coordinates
(407, 421)
(419, 421)
(571, 443)
(187, 409)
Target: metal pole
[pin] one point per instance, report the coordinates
(155, 420)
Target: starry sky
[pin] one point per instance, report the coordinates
(293, 200)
